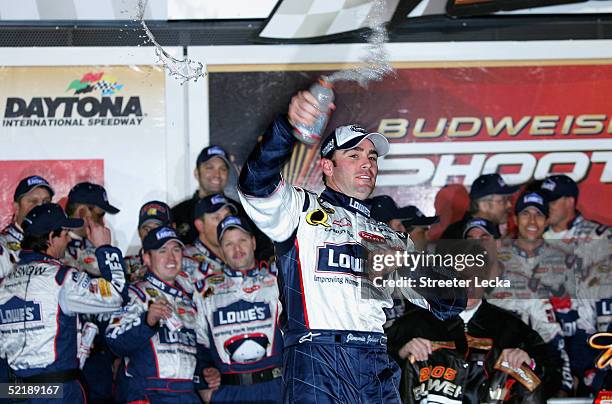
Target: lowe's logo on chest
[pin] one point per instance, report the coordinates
(348, 258)
(185, 336)
(241, 312)
(17, 310)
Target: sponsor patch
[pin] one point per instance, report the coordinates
(317, 217)
(372, 238)
(105, 288)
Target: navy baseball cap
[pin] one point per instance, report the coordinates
(490, 184)
(157, 211)
(91, 194)
(46, 218)
(536, 199)
(349, 136)
(159, 237)
(232, 222)
(412, 216)
(383, 208)
(30, 183)
(557, 186)
(212, 151)
(211, 204)
(484, 224)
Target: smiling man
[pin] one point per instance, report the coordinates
(333, 327)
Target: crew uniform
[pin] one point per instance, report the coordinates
(160, 362)
(525, 299)
(333, 317)
(39, 302)
(241, 310)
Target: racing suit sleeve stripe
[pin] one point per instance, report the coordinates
(272, 204)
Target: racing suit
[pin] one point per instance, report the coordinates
(81, 254)
(39, 302)
(241, 310)
(522, 298)
(333, 316)
(469, 375)
(6, 266)
(589, 243)
(159, 363)
(199, 252)
(10, 238)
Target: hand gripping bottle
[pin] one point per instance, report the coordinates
(310, 135)
(88, 334)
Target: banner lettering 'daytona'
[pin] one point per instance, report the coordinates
(72, 97)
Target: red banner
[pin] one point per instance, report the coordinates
(61, 174)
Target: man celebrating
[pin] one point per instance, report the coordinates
(159, 330)
(30, 192)
(250, 362)
(40, 299)
(333, 325)
(489, 199)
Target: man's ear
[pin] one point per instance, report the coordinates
(196, 174)
(146, 258)
(327, 166)
(199, 225)
(81, 212)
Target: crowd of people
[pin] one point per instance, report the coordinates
(270, 299)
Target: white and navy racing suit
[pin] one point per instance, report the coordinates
(522, 297)
(39, 303)
(199, 252)
(11, 238)
(590, 243)
(160, 364)
(81, 254)
(332, 316)
(241, 310)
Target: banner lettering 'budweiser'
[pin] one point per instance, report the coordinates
(448, 125)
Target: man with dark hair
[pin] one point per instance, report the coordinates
(30, 192)
(89, 202)
(241, 310)
(159, 331)
(212, 173)
(490, 198)
(40, 300)
(333, 327)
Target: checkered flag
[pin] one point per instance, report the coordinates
(307, 19)
(107, 88)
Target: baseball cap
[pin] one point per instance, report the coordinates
(557, 186)
(47, 217)
(412, 216)
(349, 136)
(212, 151)
(211, 204)
(30, 183)
(490, 184)
(536, 199)
(159, 237)
(383, 209)
(91, 194)
(155, 210)
(232, 222)
(484, 224)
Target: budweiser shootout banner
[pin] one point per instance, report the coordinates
(99, 123)
(447, 125)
